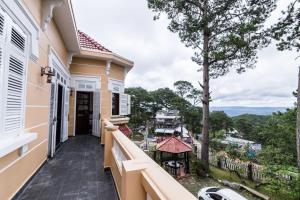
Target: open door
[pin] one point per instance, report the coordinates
(96, 114)
(66, 114)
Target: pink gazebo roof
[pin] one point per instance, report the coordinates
(173, 145)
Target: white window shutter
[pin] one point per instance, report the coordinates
(15, 79)
(123, 104)
(66, 114)
(3, 22)
(128, 104)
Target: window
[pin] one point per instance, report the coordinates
(120, 101)
(115, 103)
(215, 196)
(13, 73)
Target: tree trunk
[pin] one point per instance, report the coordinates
(205, 102)
(181, 126)
(298, 123)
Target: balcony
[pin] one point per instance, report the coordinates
(76, 172)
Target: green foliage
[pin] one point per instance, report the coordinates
(220, 121)
(217, 146)
(136, 136)
(199, 167)
(249, 124)
(278, 138)
(195, 96)
(192, 118)
(183, 88)
(232, 151)
(140, 106)
(145, 104)
(286, 30)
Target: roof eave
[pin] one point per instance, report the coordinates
(65, 21)
(108, 56)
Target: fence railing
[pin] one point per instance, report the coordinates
(136, 175)
(247, 170)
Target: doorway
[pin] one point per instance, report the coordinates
(84, 113)
(59, 111)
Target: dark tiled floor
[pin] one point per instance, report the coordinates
(76, 172)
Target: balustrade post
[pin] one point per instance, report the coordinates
(132, 186)
(108, 144)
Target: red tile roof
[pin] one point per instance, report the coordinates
(125, 129)
(173, 145)
(89, 43)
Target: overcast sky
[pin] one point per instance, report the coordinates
(127, 28)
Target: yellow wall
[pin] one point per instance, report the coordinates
(16, 170)
(92, 67)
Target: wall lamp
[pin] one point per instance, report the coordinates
(71, 91)
(47, 71)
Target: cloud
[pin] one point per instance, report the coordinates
(128, 28)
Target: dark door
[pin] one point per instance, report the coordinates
(59, 116)
(84, 113)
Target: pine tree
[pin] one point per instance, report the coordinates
(225, 35)
(287, 32)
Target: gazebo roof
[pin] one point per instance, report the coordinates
(173, 145)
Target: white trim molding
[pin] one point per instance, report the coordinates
(108, 65)
(70, 57)
(47, 11)
(116, 86)
(93, 81)
(61, 68)
(10, 144)
(19, 13)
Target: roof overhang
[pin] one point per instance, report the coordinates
(64, 18)
(107, 56)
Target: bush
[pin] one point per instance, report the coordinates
(217, 146)
(200, 168)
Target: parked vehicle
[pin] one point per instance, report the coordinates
(215, 193)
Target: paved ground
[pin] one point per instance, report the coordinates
(76, 172)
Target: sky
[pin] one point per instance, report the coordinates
(128, 29)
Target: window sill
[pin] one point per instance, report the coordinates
(10, 144)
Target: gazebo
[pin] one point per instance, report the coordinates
(177, 152)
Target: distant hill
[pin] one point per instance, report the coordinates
(240, 110)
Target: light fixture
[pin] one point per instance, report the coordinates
(71, 91)
(47, 71)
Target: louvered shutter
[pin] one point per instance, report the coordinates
(15, 79)
(96, 113)
(123, 104)
(3, 22)
(128, 104)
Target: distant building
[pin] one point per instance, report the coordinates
(241, 143)
(167, 119)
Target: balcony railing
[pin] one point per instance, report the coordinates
(136, 175)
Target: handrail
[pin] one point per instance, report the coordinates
(140, 177)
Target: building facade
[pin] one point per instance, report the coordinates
(56, 82)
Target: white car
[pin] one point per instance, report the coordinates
(215, 193)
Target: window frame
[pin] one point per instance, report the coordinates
(117, 106)
(15, 139)
(10, 49)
